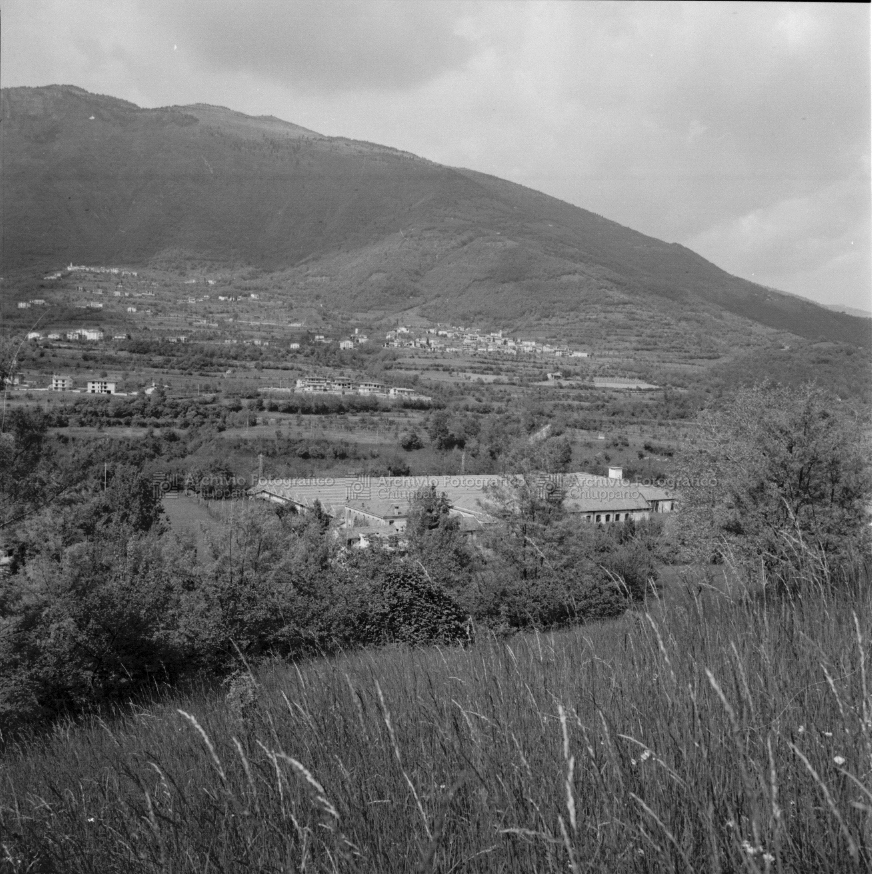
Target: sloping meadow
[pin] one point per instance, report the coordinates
(717, 736)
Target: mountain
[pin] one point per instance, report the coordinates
(358, 226)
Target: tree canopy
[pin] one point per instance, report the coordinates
(778, 475)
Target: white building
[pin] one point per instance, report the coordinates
(61, 383)
(313, 384)
(372, 388)
(101, 387)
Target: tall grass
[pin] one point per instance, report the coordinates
(712, 736)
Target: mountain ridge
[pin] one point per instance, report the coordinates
(93, 178)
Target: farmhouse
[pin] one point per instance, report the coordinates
(381, 505)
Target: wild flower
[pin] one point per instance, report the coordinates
(839, 760)
(751, 850)
(646, 754)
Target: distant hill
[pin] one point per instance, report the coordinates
(366, 228)
(851, 311)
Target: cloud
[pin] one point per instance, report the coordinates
(320, 44)
(816, 245)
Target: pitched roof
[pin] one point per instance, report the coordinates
(470, 493)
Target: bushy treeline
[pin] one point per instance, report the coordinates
(103, 602)
(157, 410)
(106, 604)
(324, 404)
(161, 410)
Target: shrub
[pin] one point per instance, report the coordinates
(411, 441)
(774, 473)
(389, 599)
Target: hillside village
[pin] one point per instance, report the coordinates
(465, 341)
(125, 285)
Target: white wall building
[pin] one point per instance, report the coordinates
(101, 387)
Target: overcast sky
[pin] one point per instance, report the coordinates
(741, 131)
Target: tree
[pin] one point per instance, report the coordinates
(410, 441)
(777, 475)
(380, 597)
(444, 431)
(436, 542)
(34, 470)
(546, 568)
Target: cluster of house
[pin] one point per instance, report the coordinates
(90, 334)
(339, 385)
(114, 271)
(468, 341)
(117, 293)
(94, 386)
(356, 339)
(365, 508)
(34, 302)
(81, 268)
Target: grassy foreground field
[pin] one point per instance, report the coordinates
(716, 736)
